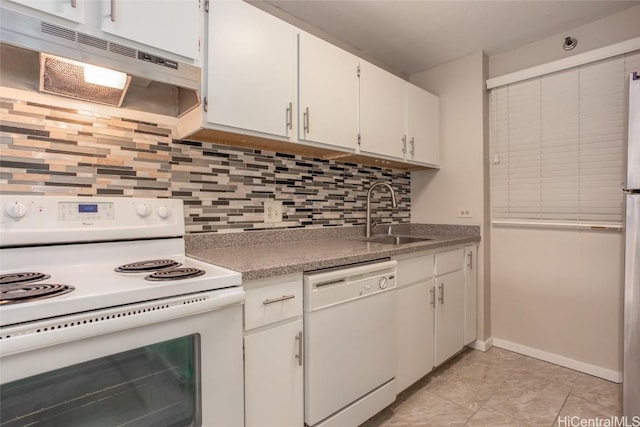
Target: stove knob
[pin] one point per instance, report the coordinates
(164, 211)
(17, 210)
(143, 210)
(384, 282)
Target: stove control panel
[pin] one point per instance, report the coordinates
(84, 211)
(36, 219)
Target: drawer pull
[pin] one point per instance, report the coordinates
(279, 299)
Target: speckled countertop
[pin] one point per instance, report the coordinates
(265, 254)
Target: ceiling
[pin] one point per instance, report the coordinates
(412, 36)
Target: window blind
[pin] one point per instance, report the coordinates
(558, 146)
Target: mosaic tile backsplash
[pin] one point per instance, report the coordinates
(50, 150)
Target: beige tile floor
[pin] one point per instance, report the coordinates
(501, 388)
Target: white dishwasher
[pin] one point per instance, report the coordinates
(350, 343)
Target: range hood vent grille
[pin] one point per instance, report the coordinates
(122, 50)
(93, 41)
(86, 39)
(54, 30)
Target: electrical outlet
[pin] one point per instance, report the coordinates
(272, 211)
(464, 213)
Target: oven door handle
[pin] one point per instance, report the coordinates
(23, 338)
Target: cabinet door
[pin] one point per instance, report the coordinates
(328, 85)
(450, 315)
(415, 334)
(471, 292)
(382, 112)
(73, 10)
(251, 72)
(423, 126)
(169, 25)
(274, 377)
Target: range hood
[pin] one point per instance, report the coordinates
(42, 56)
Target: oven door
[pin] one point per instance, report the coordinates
(174, 362)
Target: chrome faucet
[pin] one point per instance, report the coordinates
(394, 203)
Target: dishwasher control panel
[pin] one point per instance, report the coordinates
(336, 286)
(376, 284)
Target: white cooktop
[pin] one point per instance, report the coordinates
(89, 267)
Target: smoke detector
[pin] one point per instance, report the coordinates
(569, 43)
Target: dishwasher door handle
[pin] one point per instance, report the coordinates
(279, 299)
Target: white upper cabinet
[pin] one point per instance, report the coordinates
(382, 112)
(251, 70)
(169, 25)
(398, 120)
(73, 10)
(328, 85)
(423, 126)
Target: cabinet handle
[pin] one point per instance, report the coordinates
(432, 297)
(404, 144)
(112, 15)
(74, 3)
(299, 355)
(470, 263)
(305, 117)
(413, 146)
(290, 116)
(441, 289)
(279, 299)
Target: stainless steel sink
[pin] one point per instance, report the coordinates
(396, 240)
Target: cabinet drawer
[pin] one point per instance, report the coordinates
(272, 301)
(449, 261)
(415, 269)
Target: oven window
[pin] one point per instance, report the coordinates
(157, 385)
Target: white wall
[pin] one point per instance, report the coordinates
(603, 32)
(560, 292)
(460, 182)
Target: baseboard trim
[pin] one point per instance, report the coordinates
(597, 371)
(482, 345)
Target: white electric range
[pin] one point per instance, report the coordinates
(97, 293)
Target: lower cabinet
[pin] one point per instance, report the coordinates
(415, 342)
(274, 376)
(436, 310)
(273, 359)
(449, 318)
(471, 293)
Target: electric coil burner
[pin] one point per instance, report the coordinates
(20, 287)
(18, 292)
(144, 266)
(175, 274)
(22, 277)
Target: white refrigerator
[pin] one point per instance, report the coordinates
(631, 368)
